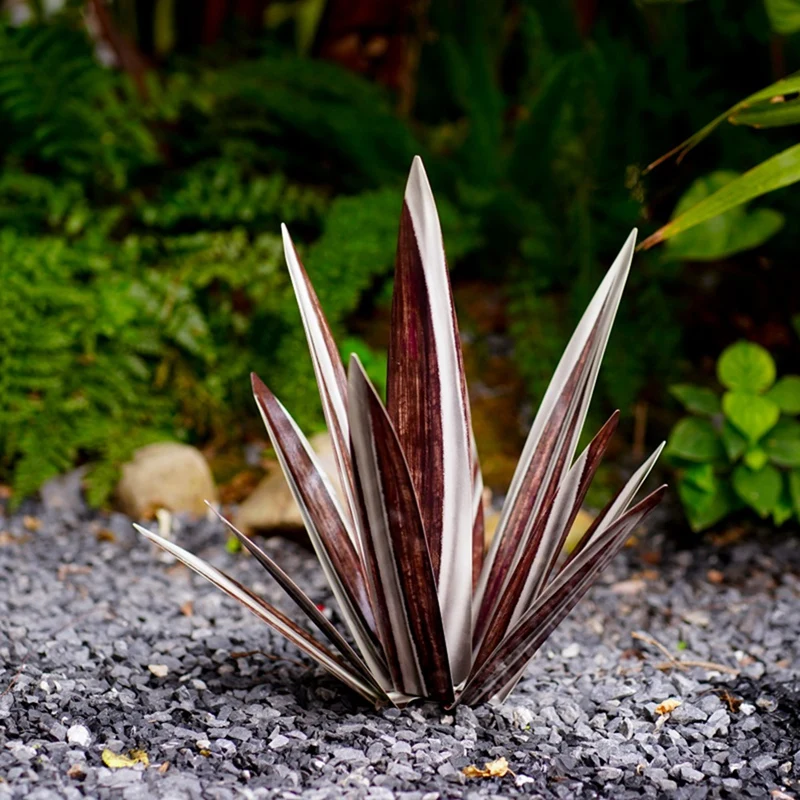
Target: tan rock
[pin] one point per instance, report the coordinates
(165, 475)
(271, 506)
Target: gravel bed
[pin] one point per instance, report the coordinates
(104, 644)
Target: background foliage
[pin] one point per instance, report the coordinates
(148, 158)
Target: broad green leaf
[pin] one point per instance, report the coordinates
(694, 439)
(701, 476)
(704, 509)
(783, 443)
(784, 16)
(794, 490)
(759, 489)
(752, 414)
(746, 366)
(697, 399)
(783, 508)
(779, 89)
(755, 458)
(781, 170)
(734, 443)
(786, 393)
(722, 236)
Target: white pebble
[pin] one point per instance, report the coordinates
(79, 735)
(159, 670)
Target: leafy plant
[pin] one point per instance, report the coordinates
(63, 109)
(776, 105)
(430, 613)
(740, 448)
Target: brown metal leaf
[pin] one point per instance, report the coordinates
(398, 559)
(427, 404)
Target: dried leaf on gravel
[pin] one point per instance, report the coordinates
(491, 769)
(118, 761)
(670, 704)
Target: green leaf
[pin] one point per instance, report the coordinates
(784, 16)
(722, 236)
(752, 414)
(746, 366)
(755, 458)
(781, 170)
(704, 509)
(694, 439)
(776, 113)
(794, 490)
(779, 89)
(786, 393)
(701, 476)
(759, 489)
(783, 508)
(734, 443)
(783, 443)
(697, 399)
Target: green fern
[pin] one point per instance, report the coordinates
(59, 106)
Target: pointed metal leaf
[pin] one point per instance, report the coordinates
(520, 645)
(325, 524)
(427, 404)
(557, 425)
(398, 559)
(549, 529)
(328, 369)
(269, 614)
(302, 600)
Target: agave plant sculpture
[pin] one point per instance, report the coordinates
(428, 612)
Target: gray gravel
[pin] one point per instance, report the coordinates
(104, 644)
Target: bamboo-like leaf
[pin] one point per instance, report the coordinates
(398, 560)
(325, 524)
(274, 618)
(781, 170)
(329, 372)
(427, 404)
(302, 600)
(557, 426)
(768, 114)
(509, 660)
(772, 93)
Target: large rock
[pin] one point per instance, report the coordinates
(271, 508)
(165, 475)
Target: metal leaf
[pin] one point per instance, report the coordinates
(555, 429)
(510, 658)
(398, 560)
(325, 524)
(427, 404)
(302, 600)
(329, 372)
(274, 618)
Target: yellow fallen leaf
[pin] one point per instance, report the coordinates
(670, 704)
(491, 769)
(117, 761)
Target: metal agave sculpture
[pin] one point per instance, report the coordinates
(428, 612)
